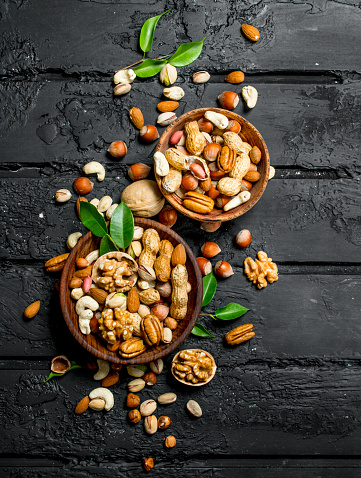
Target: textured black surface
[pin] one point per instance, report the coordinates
(287, 403)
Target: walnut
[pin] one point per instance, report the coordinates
(112, 275)
(260, 270)
(116, 324)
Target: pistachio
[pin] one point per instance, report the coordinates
(167, 398)
(157, 366)
(201, 77)
(134, 249)
(147, 408)
(151, 424)
(124, 76)
(168, 74)
(122, 89)
(168, 334)
(136, 370)
(136, 385)
(97, 404)
(62, 195)
(194, 408)
(164, 119)
(147, 273)
(174, 93)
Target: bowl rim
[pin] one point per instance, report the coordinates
(79, 337)
(228, 215)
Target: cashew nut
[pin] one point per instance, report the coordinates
(95, 167)
(73, 239)
(242, 197)
(103, 370)
(86, 302)
(77, 293)
(93, 256)
(84, 322)
(272, 172)
(105, 395)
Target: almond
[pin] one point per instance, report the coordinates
(83, 273)
(99, 295)
(235, 77)
(136, 117)
(111, 379)
(82, 405)
(250, 32)
(165, 106)
(179, 255)
(32, 310)
(133, 302)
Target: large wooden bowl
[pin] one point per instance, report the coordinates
(249, 134)
(93, 343)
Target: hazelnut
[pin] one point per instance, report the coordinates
(211, 151)
(133, 400)
(246, 185)
(160, 310)
(138, 171)
(170, 441)
(134, 416)
(118, 149)
(81, 263)
(94, 325)
(210, 226)
(189, 182)
(210, 249)
(164, 422)
(168, 216)
(223, 269)
(116, 366)
(148, 464)
(149, 133)
(228, 100)
(204, 265)
(150, 378)
(204, 125)
(213, 192)
(243, 238)
(164, 289)
(233, 126)
(75, 283)
(83, 186)
(222, 200)
(171, 323)
(215, 173)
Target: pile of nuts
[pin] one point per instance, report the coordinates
(208, 165)
(133, 300)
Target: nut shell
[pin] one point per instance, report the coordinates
(143, 198)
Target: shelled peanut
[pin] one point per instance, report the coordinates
(133, 301)
(207, 159)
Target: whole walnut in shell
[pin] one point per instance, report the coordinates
(143, 198)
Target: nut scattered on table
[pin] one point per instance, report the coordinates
(240, 334)
(261, 270)
(194, 408)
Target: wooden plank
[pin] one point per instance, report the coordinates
(65, 124)
(233, 468)
(295, 220)
(101, 37)
(251, 410)
(299, 319)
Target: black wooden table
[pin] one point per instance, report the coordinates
(286, 403)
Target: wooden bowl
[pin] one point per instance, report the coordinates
(249, 134)
(94, 343)
(211, 375)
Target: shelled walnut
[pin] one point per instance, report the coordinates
(193, 366)
(261, 270)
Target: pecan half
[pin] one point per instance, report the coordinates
(132, 347)
(226, 159)
(56, 263)
(151, 329)
(240, 334)
(198, 202)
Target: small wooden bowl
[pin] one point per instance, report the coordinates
(211, 375)
(249, 134)
(93, 343)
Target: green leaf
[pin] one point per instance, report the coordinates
(209, 288)
(92, 219)
(107, 245)
(147, 32)
(186, 53)
(122, 226)
(200, 331)
(149, 68)
(231, 311)
(74, 366)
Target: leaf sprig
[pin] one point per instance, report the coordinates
(229, 312)
(184, 55)
(121, 226)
